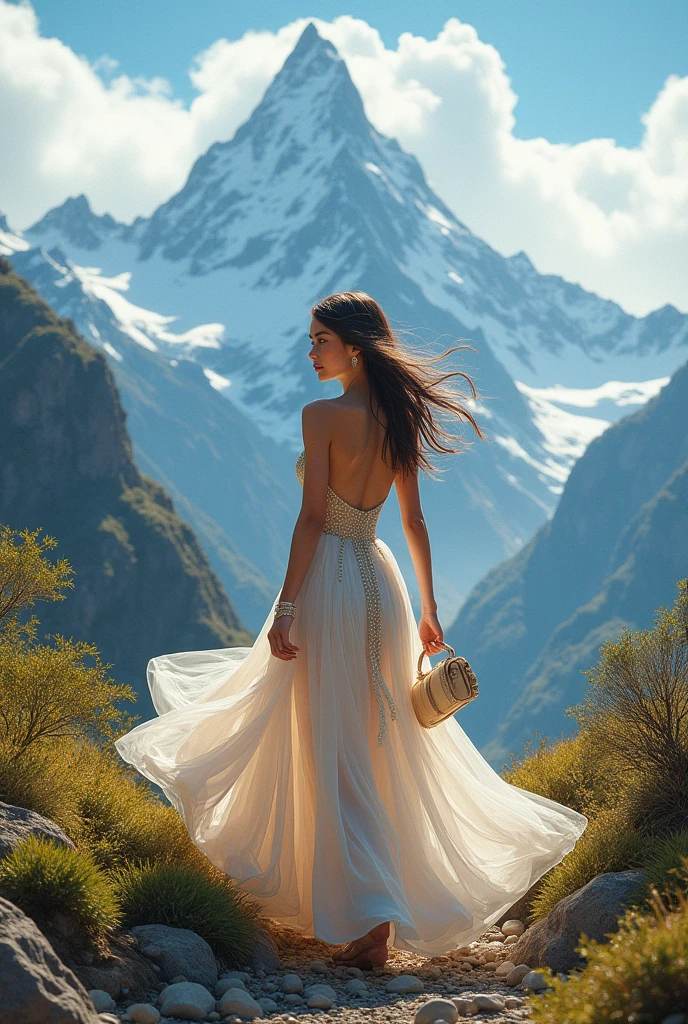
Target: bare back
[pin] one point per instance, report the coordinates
(357, 472)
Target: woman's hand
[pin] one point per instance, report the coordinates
(278, 638)
(430, 632)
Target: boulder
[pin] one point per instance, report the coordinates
(593, 909)
(179, 951)
(35, 984)
(16, 823)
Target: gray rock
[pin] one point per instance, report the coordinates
(355, 985)
(102, 1001)
(294, 999)
(512, 1002)
(16, 823)
(320, 988)
(268, 1005)
(405, 984)
(534, 982)
(292, 983)
(319, 1001)
(436, 1009)
(489, 1003)
(466, 1007)
(36, 985)
(224, 985)
(186, 1000)
(240, 1002)
(183, 952)
(593, 909)
(517, 975)
(319, 967)
(243, 976)
(143, 1013)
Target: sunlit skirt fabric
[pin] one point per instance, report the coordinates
(279, 773)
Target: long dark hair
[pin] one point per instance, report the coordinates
(401, 381)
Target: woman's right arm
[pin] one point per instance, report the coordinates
(416, 533)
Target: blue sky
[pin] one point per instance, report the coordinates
(557, 129)
(581, 70)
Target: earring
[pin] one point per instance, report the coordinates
(354, 361)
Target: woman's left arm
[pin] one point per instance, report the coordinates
(310, 521)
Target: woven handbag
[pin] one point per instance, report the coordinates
(443, 690)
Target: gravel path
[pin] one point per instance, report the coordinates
(451, 976)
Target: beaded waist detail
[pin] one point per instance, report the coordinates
(358, 525)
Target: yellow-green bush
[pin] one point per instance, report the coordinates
(186, 898)
(568, 771)
(42, 877)
(40, 780)
(640, 975)
(606, 845)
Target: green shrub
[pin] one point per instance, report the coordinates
(42, 877)
(666, 868)
(185, 898)
(636, 713)
(640, 975)
(606, 845)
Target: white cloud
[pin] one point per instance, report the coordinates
(612, 218)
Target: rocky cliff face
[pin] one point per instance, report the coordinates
(611, 555)
(143, 585)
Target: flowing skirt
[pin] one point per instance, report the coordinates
(275, 768)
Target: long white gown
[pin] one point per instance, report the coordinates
(312, 784)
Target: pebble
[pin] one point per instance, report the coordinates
(320, 988)
(240, 1002)
(143, 1013)
(186, 1000)
(516, 976)
(108, 1018)
(292, 983)
(102, 1001)
(534, 982)
(510, 940)
(355, 972)
(512, 1002)
(404, 984)
(319, 1001)
(294, 999)
(355, 985)
(268, 1005)
(224, 984)
(487, 1002)
(506, 967)
(513, 928)
(319, 967)
(243, 976)
(178, 979)
(466, 1007)
(437, 1009)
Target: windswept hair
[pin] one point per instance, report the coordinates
(401, 382)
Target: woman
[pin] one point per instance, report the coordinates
(298, 765)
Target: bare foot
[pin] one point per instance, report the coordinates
(367, 952)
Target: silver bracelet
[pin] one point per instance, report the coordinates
(285, 608)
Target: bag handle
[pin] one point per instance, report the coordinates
(424, 654)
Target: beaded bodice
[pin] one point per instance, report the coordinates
(358, 526)
(342, 518)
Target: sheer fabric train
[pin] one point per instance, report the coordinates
(276, 769)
